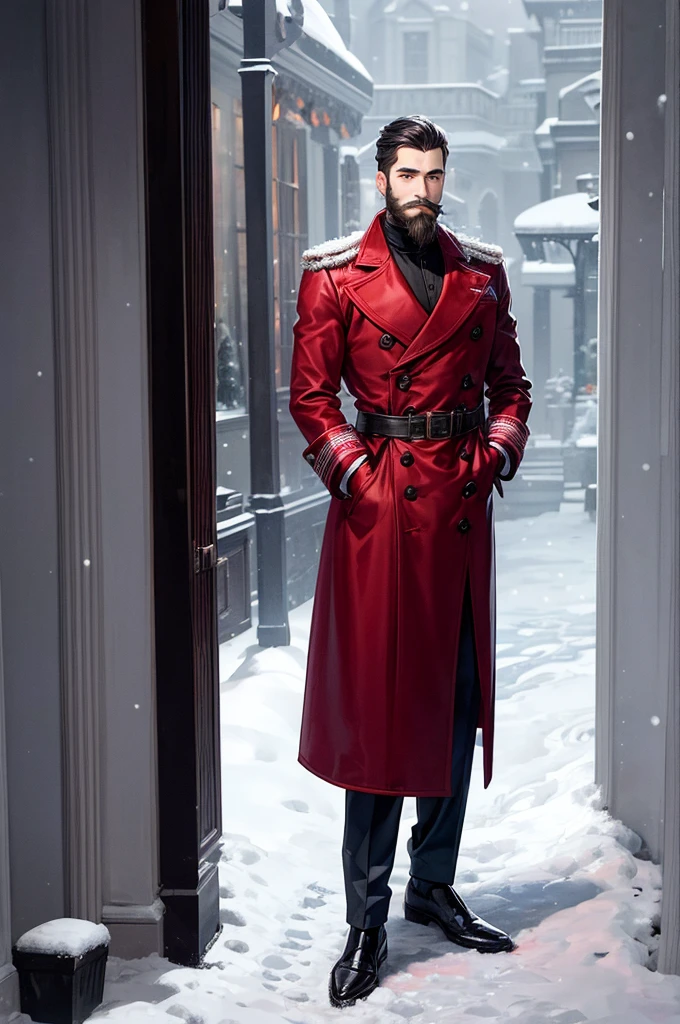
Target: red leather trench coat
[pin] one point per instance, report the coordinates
(380, 684)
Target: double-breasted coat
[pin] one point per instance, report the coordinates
(380, 685)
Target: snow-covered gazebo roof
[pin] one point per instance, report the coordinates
(567, 216)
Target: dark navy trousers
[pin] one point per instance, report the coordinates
(372, 819)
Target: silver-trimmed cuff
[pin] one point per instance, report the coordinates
(501, 449)
(348, 472)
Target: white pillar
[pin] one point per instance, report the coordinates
(94, 62)
(638, 471)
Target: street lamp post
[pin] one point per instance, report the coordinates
(265, 31)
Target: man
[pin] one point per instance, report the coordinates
(401, 666)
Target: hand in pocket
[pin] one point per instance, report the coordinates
(358, 478)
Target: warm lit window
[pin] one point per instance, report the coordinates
(290, 236)
(230, 257)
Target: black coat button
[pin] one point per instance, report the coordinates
(476, 333)
(410, 493)
(407, 459)
(408, 409)
(469, 489)
(467, 381)
(386, 341)
(404, 382)
(464, 525)
(465, 455)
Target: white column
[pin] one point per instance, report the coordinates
(638, 472)
(94, 61)
(73, 254)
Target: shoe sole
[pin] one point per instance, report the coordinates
(420, 917)
(341, 1003)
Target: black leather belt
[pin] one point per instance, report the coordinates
(418, 426)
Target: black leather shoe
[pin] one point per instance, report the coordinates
(356, 973)
(433, 901)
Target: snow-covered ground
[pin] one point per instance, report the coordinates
(539, 857)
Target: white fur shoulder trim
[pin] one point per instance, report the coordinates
(337, 252)
(478, 250)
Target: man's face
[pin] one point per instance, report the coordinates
(413, 191)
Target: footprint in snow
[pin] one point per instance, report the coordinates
(405, 1008)
(237, 946)
(176, 1010)
(249, 857)
(276, 963)
(312, 902)
(232, 917)
(296, 805)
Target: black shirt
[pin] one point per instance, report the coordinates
(423, 267)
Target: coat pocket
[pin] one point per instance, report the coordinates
(369, 478)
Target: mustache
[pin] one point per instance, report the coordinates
(436, 208)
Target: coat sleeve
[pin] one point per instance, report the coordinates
(316, 370)
(508, 388)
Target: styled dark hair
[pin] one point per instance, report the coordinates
(415, 131)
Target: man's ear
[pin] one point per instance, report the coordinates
(381, 182)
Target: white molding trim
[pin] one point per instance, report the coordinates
(133, 914)
(9, 991)
(136, 931)
(669, 945)
(75, 318)
(610, 186)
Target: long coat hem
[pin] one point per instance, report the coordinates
(366, 789)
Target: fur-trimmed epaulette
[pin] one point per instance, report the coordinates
(335, 253)
(477, 250)
(338, 252)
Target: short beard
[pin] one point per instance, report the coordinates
(422, 229)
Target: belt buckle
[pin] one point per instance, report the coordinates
(446, 428)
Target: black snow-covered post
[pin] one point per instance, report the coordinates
(265, 32)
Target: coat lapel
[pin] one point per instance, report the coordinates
(461, 291)
(379, 289)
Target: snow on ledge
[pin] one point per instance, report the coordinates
(64, 936)
(317, 25)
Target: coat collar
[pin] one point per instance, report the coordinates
(378, 288)
(374, 249)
